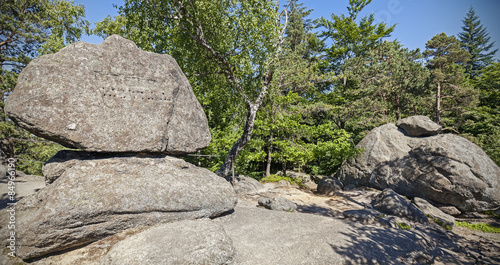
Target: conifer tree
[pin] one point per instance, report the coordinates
(446, 61)
(476, 41)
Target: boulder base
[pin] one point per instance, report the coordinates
(99, 197)
(110, 97)
(184, 242)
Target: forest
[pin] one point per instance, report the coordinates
(281, 91)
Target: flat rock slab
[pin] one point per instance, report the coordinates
(110, 97)
(184, 242)
(96, 198)
(265, 237)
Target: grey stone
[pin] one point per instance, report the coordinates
(183, 242)
(350, 187)
(99, 197)
(283, 183)
(277, 204)
(447, 168)
(365, 216)
(306, 179)
(451, 210)
(441, 218)
(274, 237)
(392, 203)
(247, 185)
(3, 171)
(110, 97)
(329, 186)
(388, 221)
(419, 126)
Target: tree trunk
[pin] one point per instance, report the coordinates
(225, 169)
(398, 113)
(269, 152)
(438, 103)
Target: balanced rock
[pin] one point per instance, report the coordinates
(419, 126)
(110, 97)
(445, 168)
(95, 198)
(184, 242)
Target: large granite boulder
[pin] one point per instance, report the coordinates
(184, 242)
(110, 97)
(445, 168)
(95, 198)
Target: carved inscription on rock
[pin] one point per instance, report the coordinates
(135, 88)
(110, 97)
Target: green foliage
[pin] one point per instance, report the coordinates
(404, 226)
(384, 84)
(479, 226)
(439, 222)
(482, 124)
(492, 214)
(276, 178)
(351, 37)
(452, 90)
(474, 39)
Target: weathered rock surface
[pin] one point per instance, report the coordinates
(392, 203)
(99, 197)
(329, 186)
(277, 204)
(275, 237)
(3, 171)
(365, 216)
(419, 126)
(247, 185)
(444, 168)
(184, 242)
(439, 216)
(451, 210)
(110, 97)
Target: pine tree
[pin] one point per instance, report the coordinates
(452, 92)
(476, 41)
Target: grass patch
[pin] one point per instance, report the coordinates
(439, 222)
(479, 226)
(404, 226)
(276, 178)
(492, 214)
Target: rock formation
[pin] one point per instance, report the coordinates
(125, 108)
(443, 168)
(110, 97)
(392, 203)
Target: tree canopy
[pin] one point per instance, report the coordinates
(476, 40)
(280, 91)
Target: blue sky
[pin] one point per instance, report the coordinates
(417, 20)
